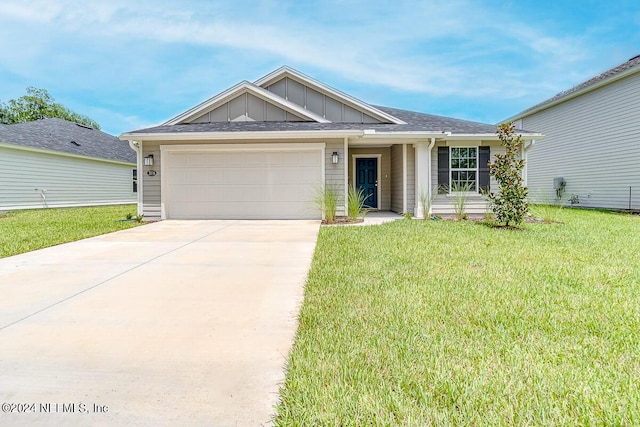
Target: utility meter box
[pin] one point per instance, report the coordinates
(558, 183)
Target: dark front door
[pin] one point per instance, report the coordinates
(367, 180)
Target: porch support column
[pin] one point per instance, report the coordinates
(345, 157)
(422, 171)
(405, 182)
(430, 190)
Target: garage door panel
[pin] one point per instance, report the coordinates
(243, 184)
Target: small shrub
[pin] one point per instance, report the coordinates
(355, 203)
(460, 194)
(425, 200)
(547, 213)
(407, 215)
(326, 201)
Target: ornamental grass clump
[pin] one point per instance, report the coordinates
(510, 204)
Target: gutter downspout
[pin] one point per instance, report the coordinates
(429, 195)
(137, 147)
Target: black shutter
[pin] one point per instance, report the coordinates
(443, 170)
(484, 155)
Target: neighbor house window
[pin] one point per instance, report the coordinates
(464, 168)
(135, 180)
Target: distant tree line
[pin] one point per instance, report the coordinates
(38, 104)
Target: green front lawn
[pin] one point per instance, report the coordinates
(28, 230)
(424, 323)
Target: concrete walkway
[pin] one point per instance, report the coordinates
(173, 323)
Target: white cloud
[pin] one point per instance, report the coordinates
(165, 51)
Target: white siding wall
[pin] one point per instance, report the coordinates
(593, 142)
(68, 181)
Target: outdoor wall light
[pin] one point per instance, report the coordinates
(148, 161)
(334, 158)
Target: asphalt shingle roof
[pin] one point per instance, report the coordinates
(416, 122)
(633, 62)
(67, 137)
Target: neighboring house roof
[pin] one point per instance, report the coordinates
(67, 137)
(632, 66)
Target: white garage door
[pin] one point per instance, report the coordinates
(270, 182)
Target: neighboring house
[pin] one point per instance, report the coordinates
(263, 149)
(592, 142)
(56, 163)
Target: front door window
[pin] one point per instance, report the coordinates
(464, 169)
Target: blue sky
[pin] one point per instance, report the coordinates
(132, 64)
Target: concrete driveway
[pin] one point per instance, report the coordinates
(173, 323)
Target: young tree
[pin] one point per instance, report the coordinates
(510, 204)
(38, 104)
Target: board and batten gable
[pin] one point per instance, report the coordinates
(31, 178)
(318, 103)
(593, 142)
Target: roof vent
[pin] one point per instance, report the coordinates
(83, 126)
(75, 143)
(635, 57)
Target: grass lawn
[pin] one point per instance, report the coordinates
(425, 323)
(28, 230)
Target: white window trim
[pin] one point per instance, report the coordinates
(469, 193)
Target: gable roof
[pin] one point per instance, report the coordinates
(289, 72)
(415, 123)
(395, 123)
(632, 66)
(67, 137)
(239, 89)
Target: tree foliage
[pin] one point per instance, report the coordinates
(38, 104)
(510, 204)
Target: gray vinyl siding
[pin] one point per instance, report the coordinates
(396, 178)
(334, 174)
(151, 189)
(411, 178)
(384, 181)
(318, 103)
(247, 107)
(68, 181)
(593, 142)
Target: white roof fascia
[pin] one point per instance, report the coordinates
(203, 136)
(62, 153)
(575, 94)
(239, 89)
(327, 90)
(490, 137)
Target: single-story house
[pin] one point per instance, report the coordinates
(54, 163)
(591, 144)
(262, 150)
